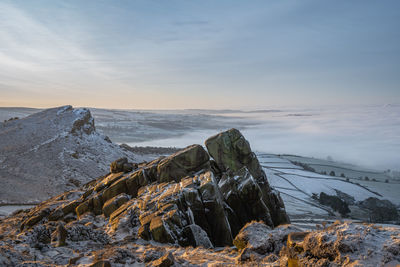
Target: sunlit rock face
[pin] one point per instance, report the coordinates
(52, 151)
(183, 199)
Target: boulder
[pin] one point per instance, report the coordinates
(231, 152)
(113, 204)
(70, 207)
(61, 235)
(98, 203)
(245, 197)
(121, 165)
(118, 187)
(197, 211)
(84, 207)
(165, 261)
(183, 163)
(197, 236)
(107, 181)
(159, 230)
(216, 215)
(256, 239)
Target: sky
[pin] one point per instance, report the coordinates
(199, 54)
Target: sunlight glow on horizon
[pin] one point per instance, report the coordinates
(178, 55)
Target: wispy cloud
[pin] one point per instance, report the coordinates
(184, 54)
(35, 57)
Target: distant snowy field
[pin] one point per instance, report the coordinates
(368, 136)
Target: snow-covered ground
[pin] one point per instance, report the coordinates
(297, 186)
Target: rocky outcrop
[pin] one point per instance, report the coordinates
(186, 193)
(184, 199)
(232, 152)
(255, 240)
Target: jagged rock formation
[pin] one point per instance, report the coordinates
(50, 152)
(183, 199)
(232, 153)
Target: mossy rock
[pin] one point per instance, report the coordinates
(98, 203)
(113, 204)
(115, 189)
(70, 207)
(228, 149)
(84, 207)
(159, 231)
(107, 181)
(183, 163)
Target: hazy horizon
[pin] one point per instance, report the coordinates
(366, 136)
(208, 54)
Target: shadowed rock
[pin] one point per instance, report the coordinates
(121, 165)
(231, 152)
(183, 199)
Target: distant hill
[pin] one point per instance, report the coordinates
(52, 151)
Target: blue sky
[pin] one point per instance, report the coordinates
(199, 54)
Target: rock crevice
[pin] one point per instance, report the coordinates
(179, 199)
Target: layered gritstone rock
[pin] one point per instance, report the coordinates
(184, 199)
(232, 152)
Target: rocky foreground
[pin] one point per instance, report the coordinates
(196, 207)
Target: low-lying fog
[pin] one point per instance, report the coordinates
(368, 136)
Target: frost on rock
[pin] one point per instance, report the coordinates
(39, 236)
(255, 240)
(78, 233)
(200, 236)
(351, 244)
(63, 109)
(52, 151)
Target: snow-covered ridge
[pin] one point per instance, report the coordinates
(52, 151)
